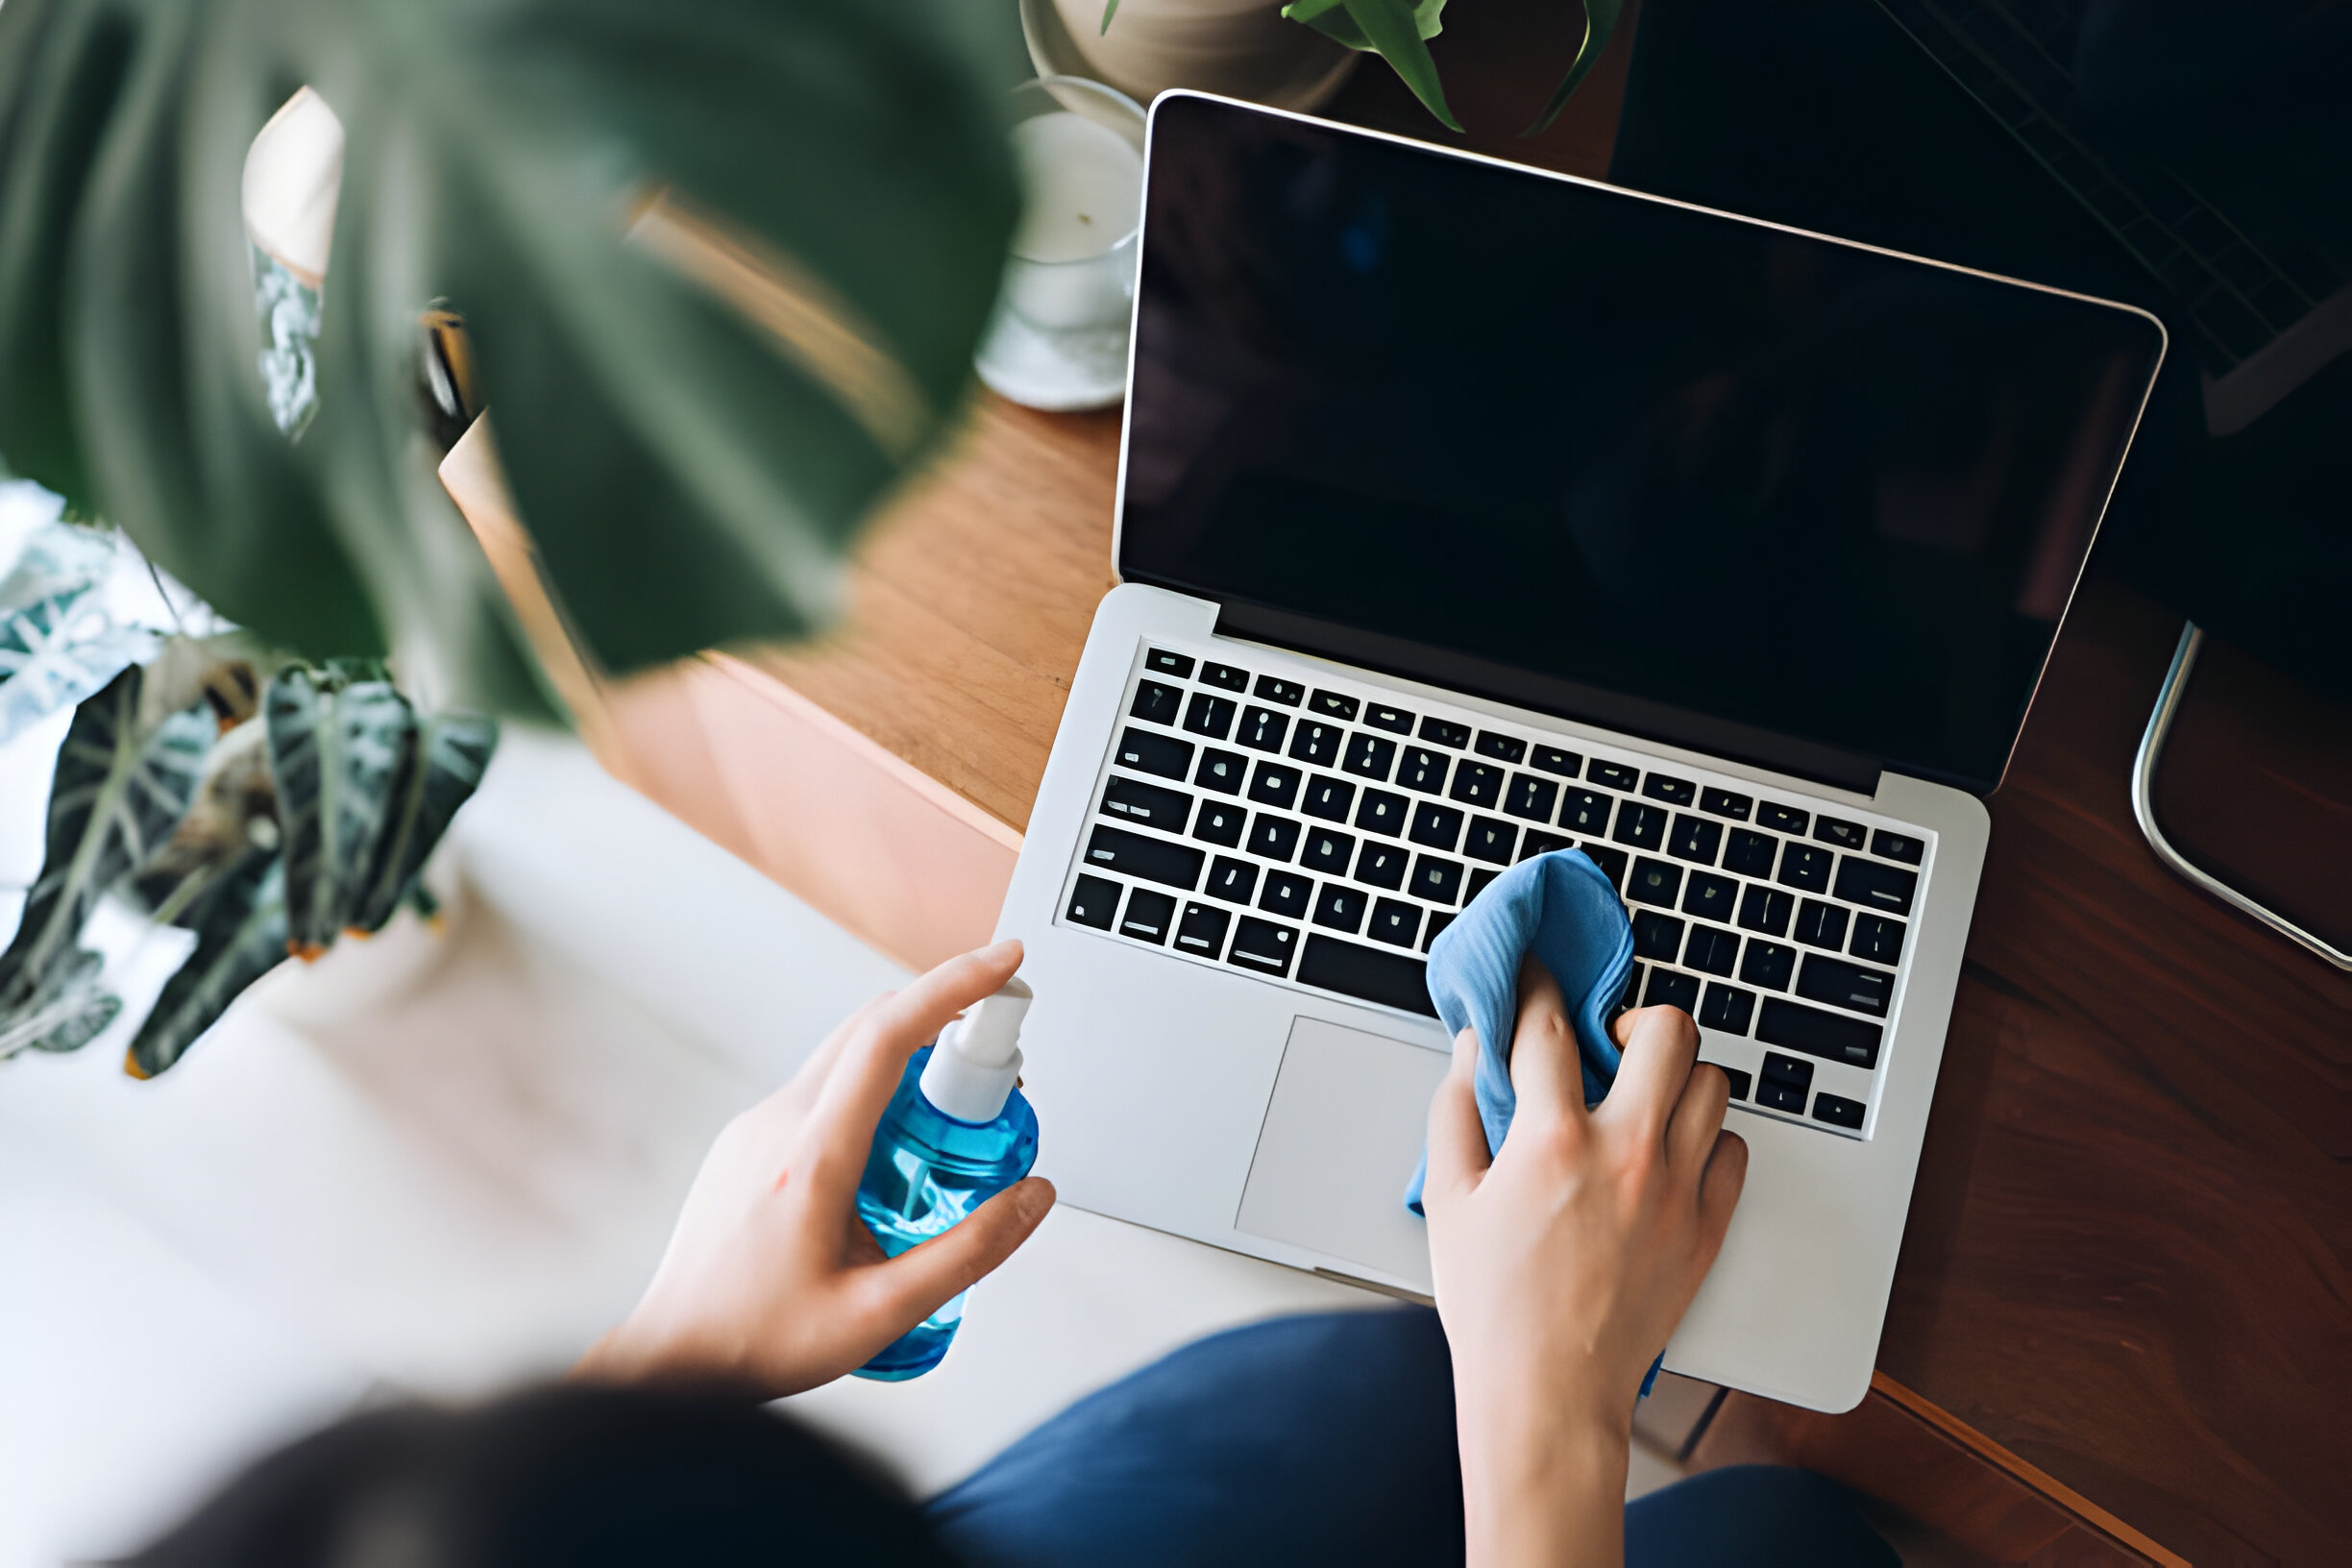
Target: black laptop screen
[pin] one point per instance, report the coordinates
(1770, 480)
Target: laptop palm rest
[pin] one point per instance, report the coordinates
(1340, 1140)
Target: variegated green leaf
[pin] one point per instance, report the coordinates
(72, 1011)
(58, 651)
(240, 926)
(335, 751)
(114, 798)
(443, 768)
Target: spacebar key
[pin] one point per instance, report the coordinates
(1154, 859)
(1391, 979)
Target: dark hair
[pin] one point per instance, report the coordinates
(571, 1474)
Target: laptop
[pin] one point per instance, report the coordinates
(1469, 512)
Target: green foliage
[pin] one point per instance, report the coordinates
(1399, 32)
(335, 749)
(240, 928)
(689, 475)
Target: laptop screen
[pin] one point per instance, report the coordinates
(1789, 486)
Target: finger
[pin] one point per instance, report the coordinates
(840, 1130)
(1697, 1117)
(1545, 1070)
(1659, 1049)
(1458, 1154)
(1718, 1191)
(919, 1282)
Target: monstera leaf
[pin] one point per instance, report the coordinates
(240, 927)
(722, 261)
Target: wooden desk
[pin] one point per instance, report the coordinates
(2125, 1284)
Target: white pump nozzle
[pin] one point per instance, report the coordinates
(974, 1066)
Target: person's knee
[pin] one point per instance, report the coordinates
(1754, 1516)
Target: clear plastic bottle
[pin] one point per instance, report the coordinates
(957, 1133)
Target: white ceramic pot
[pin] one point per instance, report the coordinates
(1241, 48)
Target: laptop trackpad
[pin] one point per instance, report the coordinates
(1342, 1137)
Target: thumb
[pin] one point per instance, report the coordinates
(919, 1281)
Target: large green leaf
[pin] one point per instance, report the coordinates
(240, 927)
(440, 772)
(689, 475)
(337, 749)
(118, 789)
(73, 1010)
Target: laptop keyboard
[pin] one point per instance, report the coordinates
(1312, 833)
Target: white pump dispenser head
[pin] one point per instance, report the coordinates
(974, 1066)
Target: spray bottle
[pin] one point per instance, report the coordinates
(957, 1133)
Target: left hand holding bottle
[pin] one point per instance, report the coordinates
(772, 1284)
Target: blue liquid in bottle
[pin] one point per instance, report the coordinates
(929, 1168)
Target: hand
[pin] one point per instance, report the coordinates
(772, 1284)
(1563, 1264)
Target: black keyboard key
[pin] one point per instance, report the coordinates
(1436, 879)
(1501, 747)
(1711, 950)
(1553, 760)
(1158, 703)
(1728, 1008)
(1395, 721)
(1367, 974)
(1675, 791)
(1837, 830)
(1382, 813)
(1784, 1082)
(1381, 865)
(1220, 822)
(1477, 784)
(1840, 984)
(1837, 1111)
(1328, 799)
(1286, 894)
(1657, 935)
(1225, 678)
(1821, 925)
(1825, 1035)
(1221, 771)
(1438, 922)
(1655, 882)
(1710, 897)
(1159, 661)
(1479, 877)
(1154, 859)
(1262, 946)
(1612, 862)
(1148, 916)
(1741, 1080)
(1531, 797)
(1275, 784)
(1805, 867)
(1274, 838)
(1332, 705)
(1901, 847)
(1340, 907)
(1263, 729)
(1781, 818)
(1370, 757)
(1873, 886)
(1876, 939)
(1423, 770)
(1232, 880)
(1274, 689)
(1695, 839)
(1533, 843)
(1492, 839)
(1767, 910)
(1767, 964)
(1394, 922)
(1202, 930)
(1723, 804)
(1436, 825)
(1317, 742)
(1328, 851)
(1445, 732)
(1146, 804)
(1644, 827)
(1095, 902)
(1616, 775)
(1586, 812)
(1209, 716)
(1669, 988)
(1147, 753)
(1750, 853)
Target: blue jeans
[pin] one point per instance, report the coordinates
(1328, 1439)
